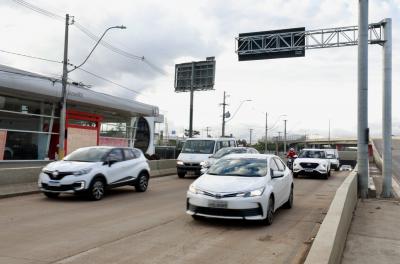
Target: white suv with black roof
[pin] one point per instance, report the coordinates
(312, 162)
(92, 170)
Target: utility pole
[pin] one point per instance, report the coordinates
(284, 137)
(362, 129)
(266, 133)
(223, 115)
(207, 129)
(329, 133)
(251, 132)
(63, 102)
(387, 110)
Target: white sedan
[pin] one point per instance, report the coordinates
(242, 186)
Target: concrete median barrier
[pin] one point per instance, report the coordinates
(28, 172)
(331, 238)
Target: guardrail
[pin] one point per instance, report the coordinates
(15, 173)
(329, 243)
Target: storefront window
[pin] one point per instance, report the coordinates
(13, 104)
(142, 139)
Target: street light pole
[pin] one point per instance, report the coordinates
(63, 102)
(284, 137)
(251, 132)
(266, 133)
(223, 115)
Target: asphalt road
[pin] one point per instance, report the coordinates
(395, 155)
(152, 227)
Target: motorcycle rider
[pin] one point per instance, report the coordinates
(291, 153)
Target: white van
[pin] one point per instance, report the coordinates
(196, 150)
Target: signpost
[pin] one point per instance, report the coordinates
(194, 76)
(293, 42)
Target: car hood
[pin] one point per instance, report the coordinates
(193, 157)
(63, 165)
(222, 184)
(298, 160)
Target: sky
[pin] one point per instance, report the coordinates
(309, 92)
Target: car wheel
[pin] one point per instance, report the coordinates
(51, 195)
(337, 168)
(96, 190)
(289, 202)
(142, 183)
(295, 175)
(270, 212)
(181, 174)
(325, 176)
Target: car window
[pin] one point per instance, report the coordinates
(115, 154)
(225, 144)
(128, 154)
(137, 153)
(273, 165)
(232, 143)
(281, 166)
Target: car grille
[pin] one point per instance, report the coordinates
(61, 188)
(220, 195)
(192, 164)
(309, 165)
(60, 175)
(225, 212)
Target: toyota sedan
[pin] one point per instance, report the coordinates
(242, 186)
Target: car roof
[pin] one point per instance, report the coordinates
(249, 155)
(314, 149)
(224, 138)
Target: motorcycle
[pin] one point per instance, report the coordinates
(290, 162)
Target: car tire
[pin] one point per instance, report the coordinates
(337, 168)
(51, 195)
(329, 173)
(289, 202)
(325, 176)
(295, 175)
(181, 174)
(142, 183)
(270, 212)
(96, 190)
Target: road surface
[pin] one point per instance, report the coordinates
(152, 227)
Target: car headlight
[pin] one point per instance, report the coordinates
(256, 192)
(179, 162)
(194, 190)
(324, 165)
(82, 172)
(205, 164)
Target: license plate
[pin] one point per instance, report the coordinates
(308, 170)
(218, 204)
(54, 183)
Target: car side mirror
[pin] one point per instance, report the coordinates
(110, 161)
(276, 174)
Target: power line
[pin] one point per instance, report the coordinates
(29, 56)
(87, 32)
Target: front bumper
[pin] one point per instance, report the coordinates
(185, 168)
(249, 208)
(318, 170)
(68, 184)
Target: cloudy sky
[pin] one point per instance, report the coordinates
(309, 91)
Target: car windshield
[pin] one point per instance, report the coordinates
(313, 154)
(225, 151)
(87, 154)
(330, 156)
(244, 167)
(199, 146)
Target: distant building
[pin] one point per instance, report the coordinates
(30, 114)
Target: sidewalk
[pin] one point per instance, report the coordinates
(374, 235)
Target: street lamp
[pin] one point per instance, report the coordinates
(63, 102)
(227, 115)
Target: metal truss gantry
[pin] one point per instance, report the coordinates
(309, 39)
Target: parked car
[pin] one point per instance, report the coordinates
(92, 170)
(205, 165)
(196, 150)
(312, 162)
(242, 186)
(333, 156)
